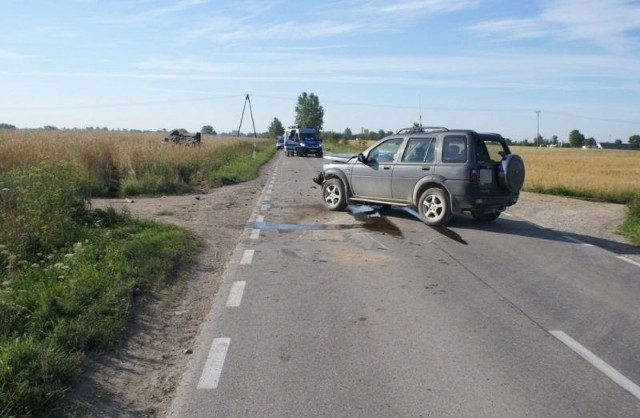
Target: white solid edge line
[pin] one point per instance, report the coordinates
(247, 257)
(628, 260)
(577, 241)
(598, 363)
(213, 366)
(235, 294)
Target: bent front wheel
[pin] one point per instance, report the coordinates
(333, 195)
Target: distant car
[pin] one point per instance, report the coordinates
(280, 142)
(436, 170)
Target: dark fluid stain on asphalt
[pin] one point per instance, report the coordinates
(369, 216)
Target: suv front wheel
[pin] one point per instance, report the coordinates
(333, 195)
(434, 207)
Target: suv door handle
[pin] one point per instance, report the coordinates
(386, 167)
(426, 168)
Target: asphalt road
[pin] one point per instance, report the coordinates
(329, 314)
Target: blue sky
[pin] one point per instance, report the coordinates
(487, 65)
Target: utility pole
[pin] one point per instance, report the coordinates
(247, 100)
(538, 128)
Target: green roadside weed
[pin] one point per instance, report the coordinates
(631, 226)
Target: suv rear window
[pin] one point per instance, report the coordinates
(454, 149)
(489, 150)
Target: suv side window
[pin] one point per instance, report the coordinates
(385, 152)
(454, 149)
(419, 150)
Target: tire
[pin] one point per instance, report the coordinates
(333, 195)
(485, 216)
(511, 173)
(319, 154)
(434, 207)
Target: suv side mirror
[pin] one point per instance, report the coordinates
(362, 158)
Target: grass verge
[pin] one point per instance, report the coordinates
(70, 276)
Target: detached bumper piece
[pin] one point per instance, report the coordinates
(319, 179)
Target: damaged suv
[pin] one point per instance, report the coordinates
(436, 170)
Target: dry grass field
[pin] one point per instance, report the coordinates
(109, 158)
(105, 156)
(608, 175)
(20, 148)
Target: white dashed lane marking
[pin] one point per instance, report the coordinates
(212, 370)
(235, 295)
(628, 260)
(247, 257)
(598, 363)
(213, 367)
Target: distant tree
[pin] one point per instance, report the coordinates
(50, 128)
(554, 140)
(618, 143)
(309, 112)
(276, 129)
(576, 139)
(634, 142)
(347, 133)
(590, 142)
(207, 129)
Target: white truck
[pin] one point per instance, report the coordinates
(302, 141)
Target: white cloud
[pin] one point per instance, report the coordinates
(154, 13)
(325, 20)
(13, 56)
(608, 23)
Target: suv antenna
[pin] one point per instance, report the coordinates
(420, 108)
(247, 100)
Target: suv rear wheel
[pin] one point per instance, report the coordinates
(434, 207)
(484, 215)
(333, 195)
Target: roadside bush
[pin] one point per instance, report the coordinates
(236, 170)
(39, 207)
(631, 226)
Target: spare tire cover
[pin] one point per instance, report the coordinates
(512, 173)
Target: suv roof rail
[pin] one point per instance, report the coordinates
(423, 129)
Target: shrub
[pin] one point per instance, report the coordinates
(39, 207)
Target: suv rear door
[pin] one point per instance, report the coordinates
(489, 154)
(454, 162)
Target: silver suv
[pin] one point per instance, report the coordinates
(437, 170)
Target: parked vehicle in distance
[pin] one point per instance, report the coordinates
(436, 170)
(302, 141)
(280, 142)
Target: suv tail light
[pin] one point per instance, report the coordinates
(474, 175)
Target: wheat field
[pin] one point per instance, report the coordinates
(610, 175)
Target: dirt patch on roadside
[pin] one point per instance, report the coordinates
(140, 378)
(591, 222)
